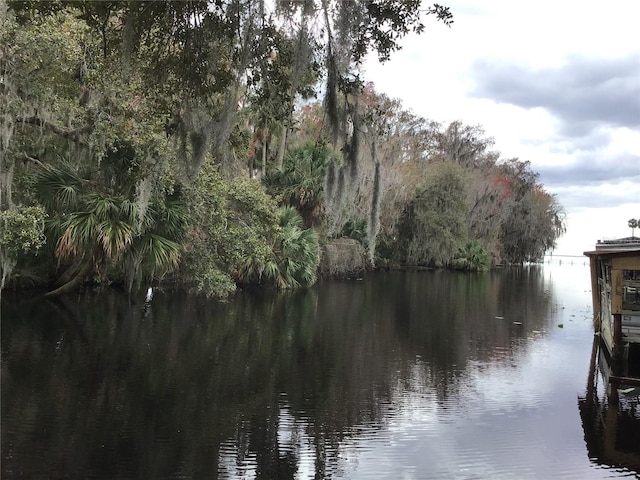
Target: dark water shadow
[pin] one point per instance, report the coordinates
(611, 432)
(105, 386)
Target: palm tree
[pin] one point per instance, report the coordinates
(96, 227)
(155, 250)
(298, 252)
(474, 256)
(295, 257)
(633, 224)
(301, 183)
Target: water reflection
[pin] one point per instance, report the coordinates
(435, 374)
(612, 432)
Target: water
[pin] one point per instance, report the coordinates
(401, 375)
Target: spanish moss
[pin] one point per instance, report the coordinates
(373, 226)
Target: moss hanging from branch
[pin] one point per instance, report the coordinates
(354, 141)
(331, 98)
(373, 226)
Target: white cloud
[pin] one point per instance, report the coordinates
(555, 83)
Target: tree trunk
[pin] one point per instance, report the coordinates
(374, 214)
(282, 147)
(264, 158)
(74, 282)
(252, 167)
(6, 181)
(70, 272)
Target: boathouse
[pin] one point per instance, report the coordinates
(611, 427)
(615, 289)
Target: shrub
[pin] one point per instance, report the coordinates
(231, 224)
(21, 232)
(472, 256)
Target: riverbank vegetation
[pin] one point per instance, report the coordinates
(222, 144)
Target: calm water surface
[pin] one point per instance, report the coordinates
(401, 375)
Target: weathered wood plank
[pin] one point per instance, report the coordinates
(626, 263)
(616, 291)
(607, 335)
(620, 380)
(595, 292)
(617, 336)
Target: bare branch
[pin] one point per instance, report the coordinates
(28, 158)
(70, 134)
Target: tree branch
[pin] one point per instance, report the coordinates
(70, 134)
(74, 282)
(26, 157)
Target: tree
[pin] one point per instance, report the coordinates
(135, 109)
(374, 184)
(21, 232)
(204, 55)
(300, 183)
(434, 224)
(462, 144)
(294, 262)
(633, 224)
(101, 230)
(231, 223)
(532, 219)
(285, 70)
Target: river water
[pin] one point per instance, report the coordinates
(400, 375)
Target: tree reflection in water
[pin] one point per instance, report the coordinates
(271, 385)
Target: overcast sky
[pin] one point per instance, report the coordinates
(555, 82)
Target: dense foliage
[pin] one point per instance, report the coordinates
(434, 225)
(183, 141)
(21, 232)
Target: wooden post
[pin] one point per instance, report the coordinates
(616, 310)
(591, 380)
(611, 428)
(616, 291)
(613, 397)
(618, 347)
(595, 292)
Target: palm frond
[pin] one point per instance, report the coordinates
(161, 254)
(80, 230)
(297, 252)
(174, 218)
(270, 270)
(58, 187)
(66, 246)
(104, 206)
(289, 217)
(129, 211)
(114, 237)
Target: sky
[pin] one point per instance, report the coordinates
(554, 82)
